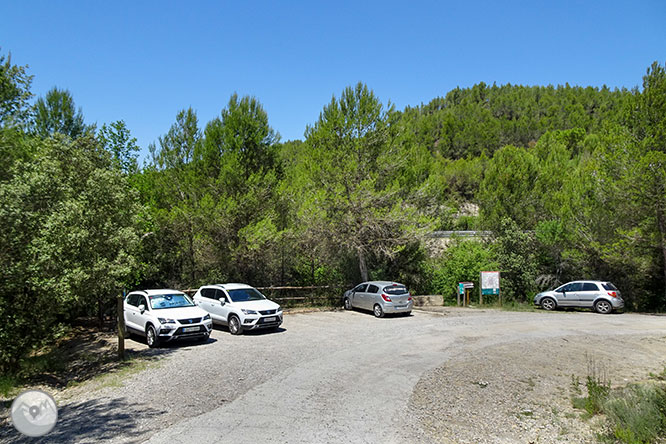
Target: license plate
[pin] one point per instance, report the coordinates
(190, 329)
(271, 319)
(400, 306)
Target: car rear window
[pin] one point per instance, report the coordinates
(608, 286)
(395, 289)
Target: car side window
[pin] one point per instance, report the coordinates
(568, 287)
(142, 300)
(360, 288)
(589, 286)
(219, 295)
(131, 299)
(577, 286)
(208, 293)
(372, 289)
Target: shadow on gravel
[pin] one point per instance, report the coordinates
(261, 332)
(168, 345)
(91, 422)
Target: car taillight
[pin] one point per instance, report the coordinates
(386, 298)
(612, 294)
(410, 297)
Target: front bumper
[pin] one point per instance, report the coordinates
(173, 332)
(255, 323)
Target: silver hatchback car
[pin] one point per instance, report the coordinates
(602, 296)
(381, 297)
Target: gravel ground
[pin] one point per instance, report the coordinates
(460, 375)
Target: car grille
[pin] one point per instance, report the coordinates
(180, 331)
(267, 312)
(189, 321)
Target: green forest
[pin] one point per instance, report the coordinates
(569, 181)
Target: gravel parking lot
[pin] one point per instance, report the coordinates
(458, 375)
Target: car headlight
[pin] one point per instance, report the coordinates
(279, 309)
(248, 312)
(166, 321)
(207, 317)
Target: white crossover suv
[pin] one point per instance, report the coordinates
(238, 306)
(164, 316)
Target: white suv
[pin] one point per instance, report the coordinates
(165, 315)
(238, 306)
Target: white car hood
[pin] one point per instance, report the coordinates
(180, 313)
(263, 304)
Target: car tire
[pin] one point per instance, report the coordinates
(235, 327)
(378, 311)
(603, 307)
(548, 304)
(151, 337)
(347, 304)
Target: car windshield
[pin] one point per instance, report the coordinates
(160, 301)
(245, 294)
(395, 289)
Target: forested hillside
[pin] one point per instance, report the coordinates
(570, 180)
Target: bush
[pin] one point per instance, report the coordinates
(462, 261)
(637, 413)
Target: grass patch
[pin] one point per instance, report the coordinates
(508, 306)
(8, 385)
(635, 414)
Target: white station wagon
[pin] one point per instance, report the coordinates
(238, 306)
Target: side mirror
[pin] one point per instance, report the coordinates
(142, 308)
(222, 302)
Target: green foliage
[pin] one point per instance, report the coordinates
(462, 261)
(14, 93)
(56, 114)
(637, 413)
(116, 139)
(68, 233)
(347, 181)
(514, 250)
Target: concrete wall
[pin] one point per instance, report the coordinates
(428, 301)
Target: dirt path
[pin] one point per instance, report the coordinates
(457, 376)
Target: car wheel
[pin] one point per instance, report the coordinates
(347, 304)
(377, 310)
(235, 325)
(548, 304)
(603, 307)
(151, 337)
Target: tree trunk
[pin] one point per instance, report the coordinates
(362, 266)
(661, 224)
(100, 312)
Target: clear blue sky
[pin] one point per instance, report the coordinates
(142, 61)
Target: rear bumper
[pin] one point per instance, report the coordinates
(617, 304)
(390, 308)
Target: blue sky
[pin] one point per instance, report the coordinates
(142, 61)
